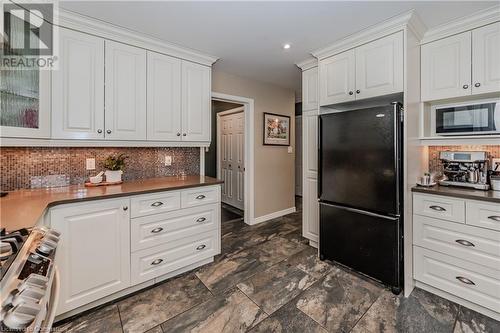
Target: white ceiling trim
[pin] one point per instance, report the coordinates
(308, 63)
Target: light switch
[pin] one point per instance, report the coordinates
(90, 164)
(168, 160)
(290, 149)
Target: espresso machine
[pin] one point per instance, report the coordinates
(465, 169)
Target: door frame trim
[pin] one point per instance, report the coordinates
(218, 140)
(248, 105)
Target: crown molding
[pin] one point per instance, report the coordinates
(408, 19)
(307, 63)
(476, 20)
(89, 25)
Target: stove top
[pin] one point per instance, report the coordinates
(10, 245)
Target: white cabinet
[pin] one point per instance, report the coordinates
(445, 67)
(462, 64)
(196, 105)
(370, 70)
(78, 87)
(379, 67)
(310, 213)
(337, 76)
(486, 59)
(125, 94)
(310, 89)
(163, 98)
(94, 251)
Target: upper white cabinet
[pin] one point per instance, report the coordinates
(486, 59)
(94, 252)
(372, 69)
(163, 98)
(445, 67)
(125, 93)
(310, 89)
(337, 78)
(78, 87)
(196, 94)
(462, 64)
(379, 67)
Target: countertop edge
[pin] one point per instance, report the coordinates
(461, 193)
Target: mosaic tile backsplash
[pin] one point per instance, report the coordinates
(435, 164)
(19, 166)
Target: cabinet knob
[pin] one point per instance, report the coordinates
(125, 208)
(201, 247)
(465, 86)
(108, 131)
(157, 262)
(178, 134)
(465, 280)
(99, 131)
(350, 93)
(358, 91)
(465, 243)
(477, 84)
(184, 134)
(157, 230)
(438, 208)
(156, 204)
(494, 218)
(201, 219)
(200, 197)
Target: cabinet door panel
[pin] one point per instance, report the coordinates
(125, 92)
(310, 216)
(78, 87)
(94, 251)
(337, 75)
(446, 67)
(486, 59)
(379, 67)
(310, 89)
(164, 97)
(310, 144)
(196, 108)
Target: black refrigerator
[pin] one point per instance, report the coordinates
(360, 191)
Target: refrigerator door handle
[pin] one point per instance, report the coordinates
(364, 212)
(319, 168)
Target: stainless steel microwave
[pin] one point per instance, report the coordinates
(481, 118)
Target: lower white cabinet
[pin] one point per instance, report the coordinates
(93, 256)
(110, 245)
(458, 254)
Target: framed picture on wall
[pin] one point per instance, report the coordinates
(276, 130)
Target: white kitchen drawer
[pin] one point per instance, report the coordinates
(200, 196)
(156, 261)
(161, 202)
(483, 214)
(158, 229)
(440, 207)
(466, 242)
(473, 282)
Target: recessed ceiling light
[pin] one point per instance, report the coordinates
(287, 46)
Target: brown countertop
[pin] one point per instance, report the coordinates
(23, 208)
(460, 192)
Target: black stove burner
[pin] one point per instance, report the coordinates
(11, 243)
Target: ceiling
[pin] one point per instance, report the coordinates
(248, 36)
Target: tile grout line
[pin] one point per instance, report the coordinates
(456, 318)
(120, 316)
(364, 314)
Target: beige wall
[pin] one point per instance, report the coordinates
(274, 166)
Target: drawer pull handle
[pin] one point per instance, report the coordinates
(201, 219)
(200, 197)
(438, 208)
(157, 204)
(465, 280)
(156, 230)
(494, 218)
(157, 262)
(201, 247)
(464, 242)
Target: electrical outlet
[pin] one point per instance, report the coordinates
(168, 160)
(290, 149)
(496, 164)
(90, 164)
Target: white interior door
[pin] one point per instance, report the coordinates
(232, 158)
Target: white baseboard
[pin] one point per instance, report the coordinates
(273, 215)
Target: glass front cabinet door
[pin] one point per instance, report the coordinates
(24, 96)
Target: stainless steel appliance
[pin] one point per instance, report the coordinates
(465, 169)
(29, 280)
(481, 118)
(360, 191)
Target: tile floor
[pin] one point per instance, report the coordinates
(268, 279)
